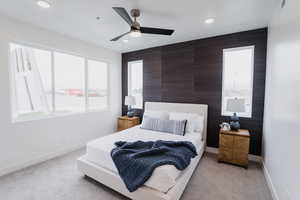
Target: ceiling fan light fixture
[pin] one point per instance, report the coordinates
(43, 3)
(135, 33)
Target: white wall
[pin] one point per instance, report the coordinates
(25, 143)
(281, 137)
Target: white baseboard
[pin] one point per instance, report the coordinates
(270, 182)
(212, 150)
(19, 166)
(251, 157)
(255, 158)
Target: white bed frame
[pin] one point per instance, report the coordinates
(114, 181)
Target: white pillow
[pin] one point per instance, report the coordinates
(198, 123)
(183, 116)
(195, 122)
(157, 114)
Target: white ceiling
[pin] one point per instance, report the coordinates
(77, 18)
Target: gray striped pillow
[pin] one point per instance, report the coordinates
(169, 126)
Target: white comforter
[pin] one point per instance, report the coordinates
(163, 177)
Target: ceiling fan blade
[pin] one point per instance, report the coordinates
(159, 31)
(120, 36)
(124, 14)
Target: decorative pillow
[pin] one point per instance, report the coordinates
(195, 122)
(183, 116)
(169, 126)
(156, 114)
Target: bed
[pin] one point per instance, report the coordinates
(166, 182)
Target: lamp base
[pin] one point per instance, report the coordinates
(130, 114)
(234, 122)
(234, 117)
(235, 126)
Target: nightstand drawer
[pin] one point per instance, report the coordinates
(225, 154)
(122, 124)
(132, 123)
(226, 141)
(127, 122)
(241, 144)
(234, 147)
(240, 158)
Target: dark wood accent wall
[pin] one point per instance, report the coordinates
(191, 72)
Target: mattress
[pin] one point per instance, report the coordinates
(163, 177)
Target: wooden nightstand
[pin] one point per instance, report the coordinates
(234, 147)
(125, 122)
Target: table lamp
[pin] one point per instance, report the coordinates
(130, 101)
(236, 106)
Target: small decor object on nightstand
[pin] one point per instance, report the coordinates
(236, 106)
(225, 126)
(234, 147)
(130, 101)
(126, 122)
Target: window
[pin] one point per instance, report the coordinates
(43, 62)
(69, 83)
(238, 64)
(46, 82)
(135, 82)
(31, 79)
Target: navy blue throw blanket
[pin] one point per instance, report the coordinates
(136, 161)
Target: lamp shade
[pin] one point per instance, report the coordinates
(236, 105)
(130, 101)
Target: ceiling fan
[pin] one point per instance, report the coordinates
(135, 29)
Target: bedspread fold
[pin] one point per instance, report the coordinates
(136, 161)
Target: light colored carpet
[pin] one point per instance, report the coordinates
(59, 179)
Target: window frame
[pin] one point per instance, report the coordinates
(129, 80)
(252, 48)
(54, 112)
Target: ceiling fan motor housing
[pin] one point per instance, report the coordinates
(135, 25)
(135, 13)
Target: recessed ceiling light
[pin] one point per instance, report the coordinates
(209, 21)
(43, 3)
(125, 41)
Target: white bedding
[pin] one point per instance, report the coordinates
(163, 177)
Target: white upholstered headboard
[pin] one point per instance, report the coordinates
(200, 109)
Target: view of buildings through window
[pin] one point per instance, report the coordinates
(69, 82)
(77, 84)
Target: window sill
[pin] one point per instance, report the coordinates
(43, 116)
(240, 116)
